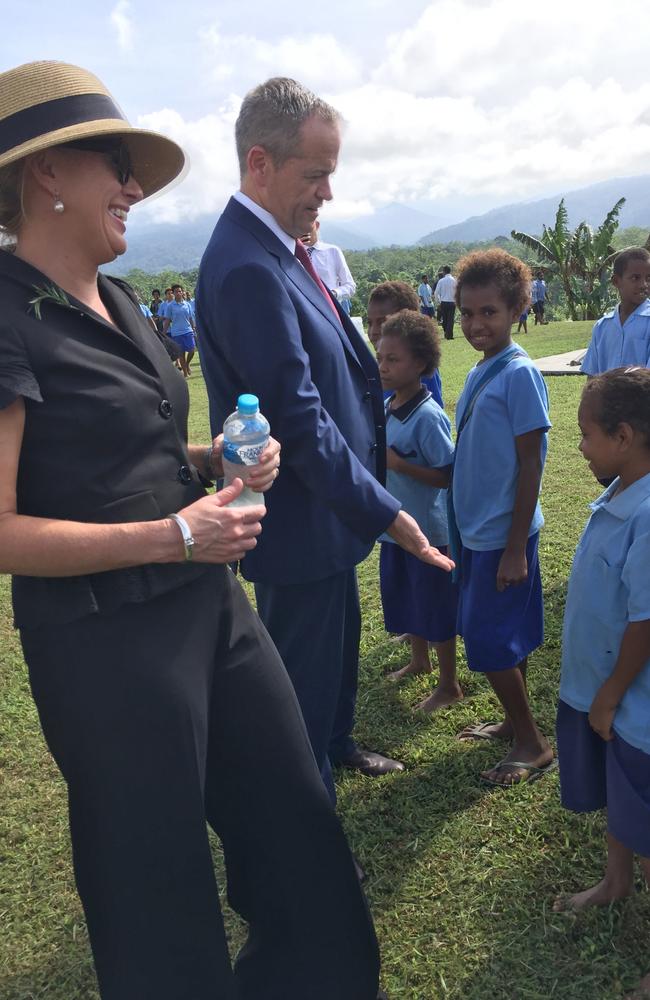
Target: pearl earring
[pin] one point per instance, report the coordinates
(58, 205)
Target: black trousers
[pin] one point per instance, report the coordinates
(448, 311)
(165, 715)
(316, 627)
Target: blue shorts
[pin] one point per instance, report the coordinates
(417, 598)
(185, 341)
(595, 774)
(499, 629)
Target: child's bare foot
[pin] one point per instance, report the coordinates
(521, 764)
(440, 697)
(487, 731)
(404, 637)
(602, 894)
(410, 668)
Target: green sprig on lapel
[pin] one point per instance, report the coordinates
(48, 293)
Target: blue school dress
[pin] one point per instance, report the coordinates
(499, 628)
(609, 587)
(418, 598)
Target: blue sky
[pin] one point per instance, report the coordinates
(459, 104)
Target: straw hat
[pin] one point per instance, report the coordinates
(43, 104)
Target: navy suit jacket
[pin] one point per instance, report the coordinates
(266, 328)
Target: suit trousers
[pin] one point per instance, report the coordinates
(316, 627)
(448, 311)
(168, 714)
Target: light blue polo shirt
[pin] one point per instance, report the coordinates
(162, 309)
(486, 468)
(614, 346)
(425, 293)
(145, 310)
(180, 315)
(420, 432)
(609, 587)
(538, 290)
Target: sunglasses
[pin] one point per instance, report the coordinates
(114, 149)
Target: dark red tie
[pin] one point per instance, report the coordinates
(305, 260)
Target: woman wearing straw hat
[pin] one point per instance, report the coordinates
(112, 541)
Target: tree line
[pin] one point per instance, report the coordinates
(576, 264)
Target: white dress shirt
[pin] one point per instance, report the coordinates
(446, 289)
(330, 265)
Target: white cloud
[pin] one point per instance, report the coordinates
(314, 59)
(213, 173)
(122, 23)
(504, 48)
(503, 98)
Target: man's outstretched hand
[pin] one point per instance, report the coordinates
(405, 531)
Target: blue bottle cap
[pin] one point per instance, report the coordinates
(247, 403)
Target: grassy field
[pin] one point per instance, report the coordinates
(460, 878)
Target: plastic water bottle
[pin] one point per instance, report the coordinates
(245, 435)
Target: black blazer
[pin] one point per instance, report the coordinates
(105, 433)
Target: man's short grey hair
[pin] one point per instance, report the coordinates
(272, 115)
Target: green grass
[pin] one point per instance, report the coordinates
(461, 879)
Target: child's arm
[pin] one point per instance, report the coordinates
(439, 478)
(632, 658)
(513, 568)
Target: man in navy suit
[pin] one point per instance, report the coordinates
(268, 327)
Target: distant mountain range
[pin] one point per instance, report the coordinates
(590, 204)
(154, 248)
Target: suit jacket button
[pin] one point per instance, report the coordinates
(165, 409)
(366, 396)
(373, 449)
(185, 475)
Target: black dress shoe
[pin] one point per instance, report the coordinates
(370, 763)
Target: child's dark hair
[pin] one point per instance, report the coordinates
(397, 292)
(419, 332)
(625, 257)
(620, 396)
(495, 267)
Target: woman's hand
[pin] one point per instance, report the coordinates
(221, 534)
(262, 476)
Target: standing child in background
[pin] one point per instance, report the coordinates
(622, 336)
(179, 324)
(418, 599)
(539, 298)
(603, 724)
(388, 298)
(523, 322)
(502, 423)
(425, 295)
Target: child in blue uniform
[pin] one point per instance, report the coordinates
(622, 336)
(179, 324)
(418, 599)
(502, 422)
(388, 298)
(603, 723)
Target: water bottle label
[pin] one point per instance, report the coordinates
(243, 454)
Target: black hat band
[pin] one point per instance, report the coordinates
(51, 116)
